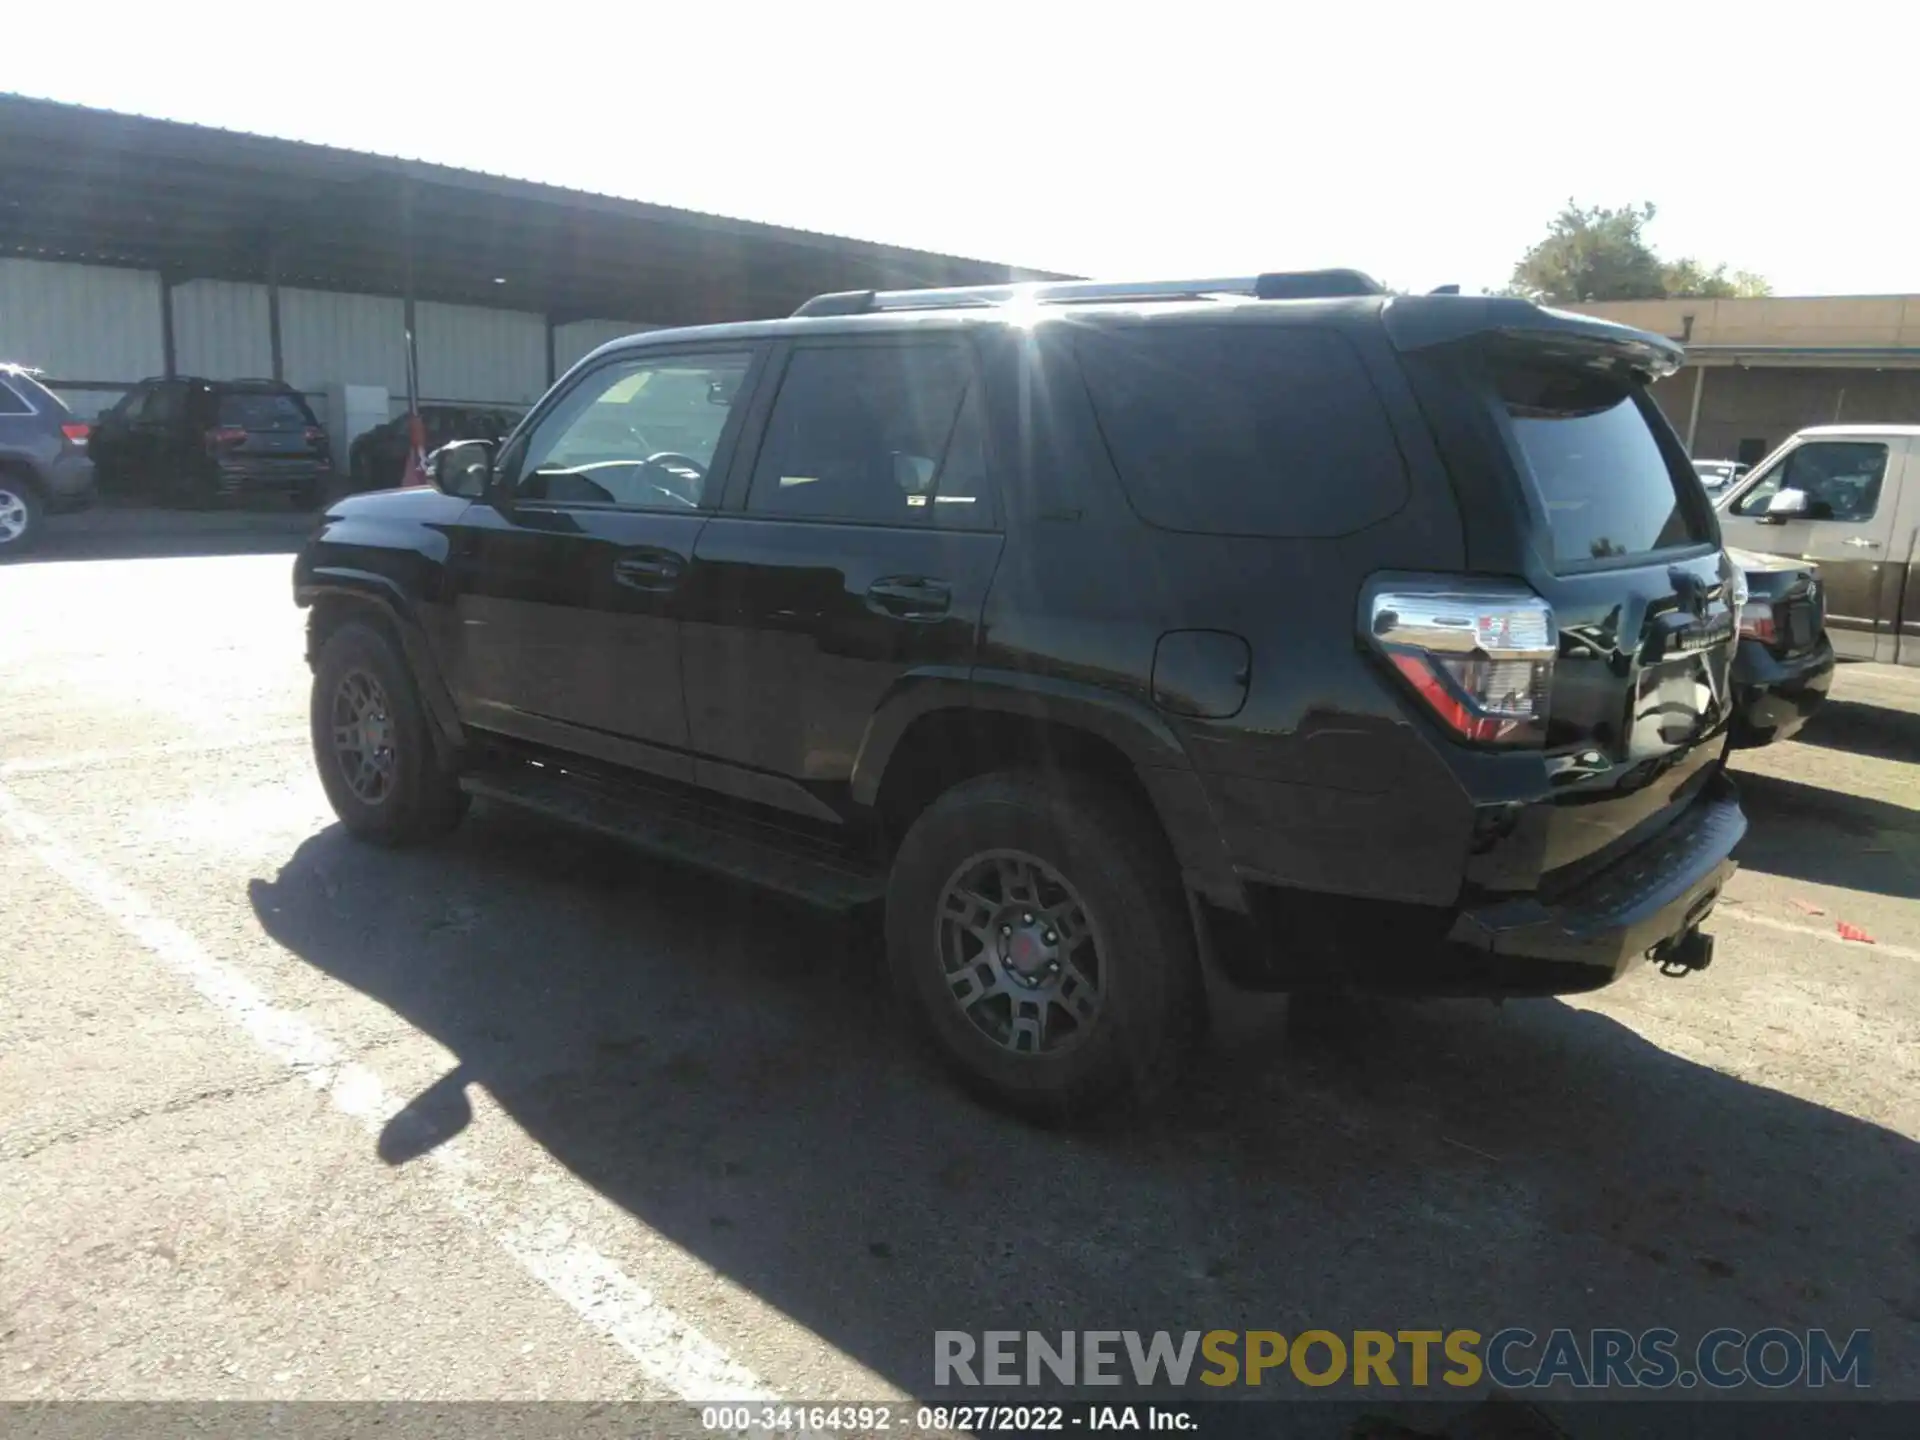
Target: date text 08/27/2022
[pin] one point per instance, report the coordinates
(943, 1419)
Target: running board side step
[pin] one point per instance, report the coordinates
(671, 828)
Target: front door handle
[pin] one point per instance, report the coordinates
(1861, 542)
(910, 597)
(655, 570)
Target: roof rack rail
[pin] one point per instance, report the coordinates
(1273, 285)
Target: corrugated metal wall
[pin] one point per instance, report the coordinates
(468, 353)
(81, 322)
(101, 324)
(583, 337)
(221, 330)
(328, 339)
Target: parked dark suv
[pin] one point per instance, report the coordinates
(201, 442)
(1102, 632)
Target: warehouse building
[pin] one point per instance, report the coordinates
(1758, 370)
(133, 248)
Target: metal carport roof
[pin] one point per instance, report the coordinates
(93, 186)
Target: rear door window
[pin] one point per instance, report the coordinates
(263, 410)
(876, 434)
(1243, 430)
(11, 403)
(1599, 469)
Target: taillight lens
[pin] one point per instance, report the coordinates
(1478, 654)
(226, 437)
(316, 436)
(76, 432)
(1759, 622)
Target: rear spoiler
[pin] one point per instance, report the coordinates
(1498, 324)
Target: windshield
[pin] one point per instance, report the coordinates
(1597, 465)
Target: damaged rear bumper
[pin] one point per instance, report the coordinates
(1651, 899)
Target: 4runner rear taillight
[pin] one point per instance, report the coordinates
(1479, 654)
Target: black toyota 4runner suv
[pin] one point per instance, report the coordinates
(1103, 632)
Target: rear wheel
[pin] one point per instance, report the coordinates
(21, 515)
(1038, 930)
(373, 745)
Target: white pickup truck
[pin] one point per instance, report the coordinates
(1848, 498)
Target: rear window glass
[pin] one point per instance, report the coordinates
(263, 410)
(20, 393)
(1599, 469)
(1243, 430)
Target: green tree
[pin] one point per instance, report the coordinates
(1690, 278)
(1594, 253)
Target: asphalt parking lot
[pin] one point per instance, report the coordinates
(526, 1116)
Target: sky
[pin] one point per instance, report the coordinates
(1426, 144)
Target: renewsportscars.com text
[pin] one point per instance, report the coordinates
(1514, 1358)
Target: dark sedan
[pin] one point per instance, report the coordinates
(1784, 664)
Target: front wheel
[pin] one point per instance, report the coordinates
(373, 745)
(1038, 929)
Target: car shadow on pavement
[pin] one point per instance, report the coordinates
(1829, 837)
(732, 1073)
(1863, 728)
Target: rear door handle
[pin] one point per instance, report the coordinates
(654, 570)
(910, 597)
(1861, 542)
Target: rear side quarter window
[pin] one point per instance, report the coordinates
(1242, 429)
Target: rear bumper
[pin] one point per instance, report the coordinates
(1773, 698)
(277, 478)
(69, 484)
(1602, 927)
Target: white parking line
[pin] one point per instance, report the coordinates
(671, 1352)
(1879, 947)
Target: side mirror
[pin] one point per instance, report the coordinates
(1786, 505)
(464, 468)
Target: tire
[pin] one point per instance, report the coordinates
(1149, 1005)
(22, 515)
(412, 796)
